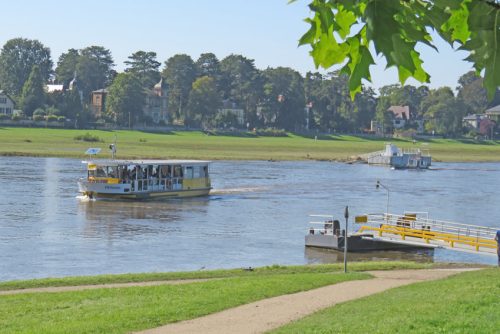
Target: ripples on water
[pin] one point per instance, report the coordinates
(256, 215)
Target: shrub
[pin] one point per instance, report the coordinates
(270, 132)
(38, 117)
(3, 116)
(61, 118)
(88, 138)
(16, 117)
(39, 112)
(52, 118)
(53, 111)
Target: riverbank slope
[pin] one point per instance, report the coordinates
(197, 145)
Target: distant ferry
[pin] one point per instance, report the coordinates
(145, 179)
(400, 158)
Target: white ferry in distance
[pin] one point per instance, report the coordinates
(145, 179)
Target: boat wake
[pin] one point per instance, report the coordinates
(236, 190)
(84, 198)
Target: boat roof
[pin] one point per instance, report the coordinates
(147, 162)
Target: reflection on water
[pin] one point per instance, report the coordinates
(257, 215)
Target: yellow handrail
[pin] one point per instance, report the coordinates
(428, 235)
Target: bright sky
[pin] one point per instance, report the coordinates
(264, 30)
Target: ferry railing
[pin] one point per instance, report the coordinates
(328, 225)
(431, 230)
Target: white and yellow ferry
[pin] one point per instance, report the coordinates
(145, 179)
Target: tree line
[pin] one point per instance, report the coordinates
(278, 98)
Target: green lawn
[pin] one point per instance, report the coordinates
(260, 271)
(136, 144)
(122, 310)
(465, 303)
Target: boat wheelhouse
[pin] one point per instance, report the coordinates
(144, 179)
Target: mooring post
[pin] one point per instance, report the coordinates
(346, 215)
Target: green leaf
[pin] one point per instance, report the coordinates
(359, 66)
(457, 24)
(327, 52)
(309, 36)
(345, 19)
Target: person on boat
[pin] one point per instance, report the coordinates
(497, 238)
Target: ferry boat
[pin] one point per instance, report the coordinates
(400, 158)
(145, 179)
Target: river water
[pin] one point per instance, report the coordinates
(257, 215)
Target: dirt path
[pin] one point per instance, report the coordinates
(102, 286)
(267, 314)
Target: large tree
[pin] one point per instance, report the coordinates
(32, 95)
(342, 31)
(66, 66)
(241, 83)
(125, 100)
(208, 65)
(145, 66)
(93, 67)
(180, 73)
(284, 91)
(102, 66)
(444, 112)
(17, 58)
(472, 92)
(204, 100)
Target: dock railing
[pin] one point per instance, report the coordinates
(428, 230)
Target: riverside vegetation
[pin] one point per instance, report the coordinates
(245, 146)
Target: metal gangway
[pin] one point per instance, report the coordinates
(414, 229)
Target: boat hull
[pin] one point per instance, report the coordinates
(358, 243)
(124, 191)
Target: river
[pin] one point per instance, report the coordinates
(256, 215)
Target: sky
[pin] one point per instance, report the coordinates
(264, 30)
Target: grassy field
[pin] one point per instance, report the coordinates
(136, 144)
(466, 303)
(260, 271)
(122, 310)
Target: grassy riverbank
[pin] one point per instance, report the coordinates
(465, 303)
(136, 144)
(206, 274)
(126, 309)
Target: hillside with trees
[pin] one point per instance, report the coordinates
(230, 93)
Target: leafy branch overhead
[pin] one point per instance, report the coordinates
(341, 32)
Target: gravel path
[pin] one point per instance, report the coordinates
(102, 286)
(267, 314)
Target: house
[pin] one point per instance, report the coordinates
(472, 122)
(156, 103)
(98, 102)
(487, 127)
(493, 113)
(6, 104)
(401, 115)
(51, 88)
(229, 107)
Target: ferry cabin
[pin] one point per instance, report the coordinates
(145, 179)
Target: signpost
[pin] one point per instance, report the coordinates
(346, 215)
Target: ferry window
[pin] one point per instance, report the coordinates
(188, 173)
(197, 172)
(100, 172)
(177, 171)
(112, 171)
(205, 171)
